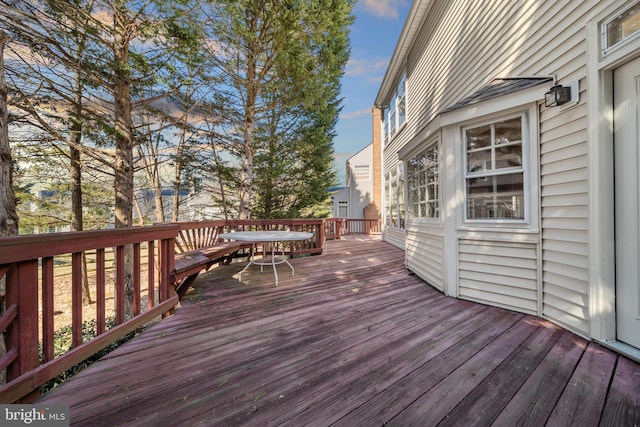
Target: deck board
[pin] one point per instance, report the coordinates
(623, 401)
(351, 339)
(535, 401)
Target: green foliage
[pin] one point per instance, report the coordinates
(62, 343)
(285, 64)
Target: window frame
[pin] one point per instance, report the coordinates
(342, 205)
(394, 202)
(424, 184)
(607, 48)
(394, 113)
(528, 151)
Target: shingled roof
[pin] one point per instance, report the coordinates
(498, 87)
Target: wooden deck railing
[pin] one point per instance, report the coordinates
(336, 227)
(32, 266)
(39, 268)
(195, 235)
(312, 246)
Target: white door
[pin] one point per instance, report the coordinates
(627, 201)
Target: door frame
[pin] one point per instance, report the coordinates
(602, 306)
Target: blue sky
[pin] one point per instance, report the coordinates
(373, 38)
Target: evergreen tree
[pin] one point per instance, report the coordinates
(281, 62)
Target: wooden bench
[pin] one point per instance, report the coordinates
(189, 264)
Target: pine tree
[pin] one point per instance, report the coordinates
(281, 63)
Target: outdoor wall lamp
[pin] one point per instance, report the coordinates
(558, 95)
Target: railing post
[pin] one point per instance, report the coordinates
(321, 236)
(22, 335)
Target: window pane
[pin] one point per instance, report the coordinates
(422, 177)
(393, 108)
(478, 137)
(492, 150)
(500, 196)
(386, 130)
(394, 197)
(509, 156)
(422, 194)
(508, 131)
(623, 26)
(479, 161)
(401, 85)
(343, 209)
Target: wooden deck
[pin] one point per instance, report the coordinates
(352, 339)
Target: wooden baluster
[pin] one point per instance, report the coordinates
(101, 317)
(136, 279)
(119, 294)
(47, 309)
(76, 298)
(151, 274)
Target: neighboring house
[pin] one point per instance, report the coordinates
(356, 200)
(512, 199)
(340, 201)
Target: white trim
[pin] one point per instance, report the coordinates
(531, 222)
(412, 146)
(601, 183)
(522, 169)
(497, 105)
(575, 95)
(606, 50)
(620, 347)
(451, 198)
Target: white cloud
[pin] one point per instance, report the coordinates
(383, 8)
(358, 67)
(356, 114)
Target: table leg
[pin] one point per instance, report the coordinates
(273, 262)
(262, 263)
(284, 258)
(253, 254)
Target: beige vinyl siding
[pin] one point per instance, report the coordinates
(565, 217)
(460, 47)
(425, 257)
(394, 236)
(503, 274)
(556, 44)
